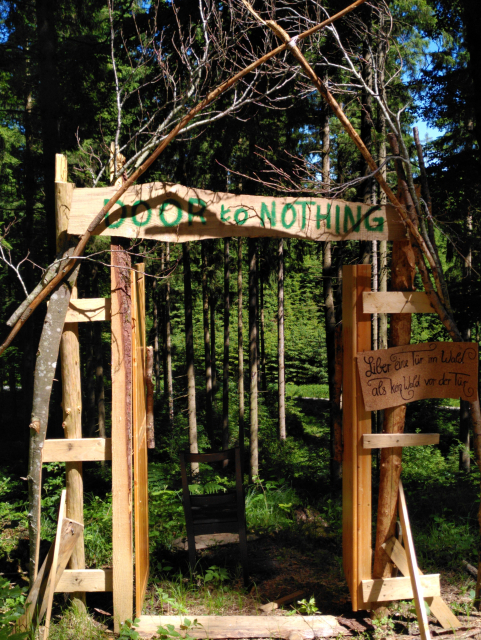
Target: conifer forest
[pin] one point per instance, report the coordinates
(333, 138)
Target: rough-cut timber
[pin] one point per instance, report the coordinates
(439, 608)
(356, 480)
(139, 426)
(173, 213)
(385, 440)
(217, 627)
(77, 450)
(397, 302)
(88, 310)
(122, 554)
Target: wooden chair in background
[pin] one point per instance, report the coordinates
(215, 513)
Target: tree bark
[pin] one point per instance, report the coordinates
(212, 302)
(169, 390)
(240, 352)
(189, 354)
(47, 356)
(225, 377)
(281, 390)
(49, 104)
(207, 354)
(253, 370)
(262, 337)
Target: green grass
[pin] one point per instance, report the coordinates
(307, 390)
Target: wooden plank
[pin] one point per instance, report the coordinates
(439, 608)
(216, 627)
(121, 359)
(363, 461)
(77, 449)
(69, 534)
(89, 310)
(385, 440)
(357, 554)
(416, 579)
(139, 431)
(85, 580)
(173, 213)
(50, 587)
(349, 461)
(388, 589)
(396, 302)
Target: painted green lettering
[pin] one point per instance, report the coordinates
(270, 216)
(237, 216)
(200, 213)
(163, 219)
(123, 215)
(338, 219)
(380, 221)
(288, 207)
(349, 218)
(304, 204)
(323, 216)
(223, 213)
(140, 222)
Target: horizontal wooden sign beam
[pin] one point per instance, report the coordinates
(387, 589)
(85, 580)
(173, 213)
(88, 310)
(77, 449)
(396, 302)
(388, 440)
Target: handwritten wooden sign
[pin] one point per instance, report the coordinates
(174, 213)
(391, 377)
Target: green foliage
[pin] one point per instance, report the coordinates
(216, 575)
(269, 505)
(168, 630)
(127, 630)
(307, 607)
(12, 599)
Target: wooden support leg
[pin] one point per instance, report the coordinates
(413, 566)
(439, 608)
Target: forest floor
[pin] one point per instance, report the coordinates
(304, 558)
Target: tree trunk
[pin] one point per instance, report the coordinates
(48, 98)
(47, 355)
(207, 354)
(253, 371)
(189, 354)
(464, 418)
(169, 386)
(213, 301)
(330, 324)
(99, 374)
(240, 353)
(262, 337)
(156, 325)
(281, 389)
(225, 380)
(403, 269)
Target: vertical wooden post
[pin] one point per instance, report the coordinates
(70, 366)
(356, 481)
(122, 554)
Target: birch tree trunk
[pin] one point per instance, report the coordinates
(253, 370)
(47, 355)
(240, 351)
(281, 391)
(169, 385)
(225, 369)
(207, 354)
(189, 354)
